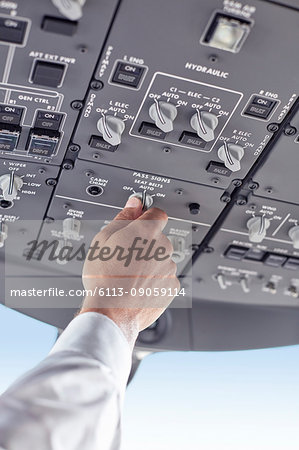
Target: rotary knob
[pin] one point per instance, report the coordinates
(204, 123)
(71, 9)
(10, 185)
(71, 229)
(231, 155)
(257, 227)
(163, 114)
(146, 199)
(3, 233)
(179, 245)
(111, 128)
(294, 235)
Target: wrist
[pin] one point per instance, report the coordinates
(121, 317)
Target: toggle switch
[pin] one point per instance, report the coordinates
(294, 235)
(221, 281)
(71, 9)
(257, 227)
(111, 128)
(3, 233)
(61, 249)
(10, 185)
(71, 229)
(179, 246)
(204, 123)
(231, 155)
(163, 114)
(146, 199)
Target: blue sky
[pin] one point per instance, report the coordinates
(186, 401)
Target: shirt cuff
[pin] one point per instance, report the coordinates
(98, 337)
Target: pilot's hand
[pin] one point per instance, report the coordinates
(131, 287)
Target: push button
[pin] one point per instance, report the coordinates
(150, 130)
(48, 74)
(48, 120)
(255, 254)
(192, 139)
(235, 252)
(260, 107)
(127, 74)
(99, 143)
(59, 26)
(10, 114)
(218, 169)
(275, 260)
(292, 264)
(12, 31)
(261, 101)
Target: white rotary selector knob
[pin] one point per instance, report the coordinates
(10, 185)
(204, 123)
(146, 199)
(71, 9)
(231, 154)
(257, 228)
(111, 128)
(294, 235)
(163, 114)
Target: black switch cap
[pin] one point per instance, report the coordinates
(48, 74)
(59, 26)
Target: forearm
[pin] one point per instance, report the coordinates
(72, 400)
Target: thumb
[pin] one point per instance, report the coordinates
(131, 211)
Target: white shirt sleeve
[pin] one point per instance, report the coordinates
(72, 400)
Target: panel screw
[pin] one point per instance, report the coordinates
(253, 186)
(49, 220)
(67, 164)
(272, 127)
(208, 250)
(269, 190)
(51, 182)
(167, 150)
(179, 191)
(215, 180)
(290, 131)
(213, 58)
(96, 85)
(77, 104)
(252, 206)
(88, 173)
(225, 198)
(41, 170)
(194, 228)
(74, 148)
(241, 201)
(96, 155)
(237, 182)
(65, 206)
